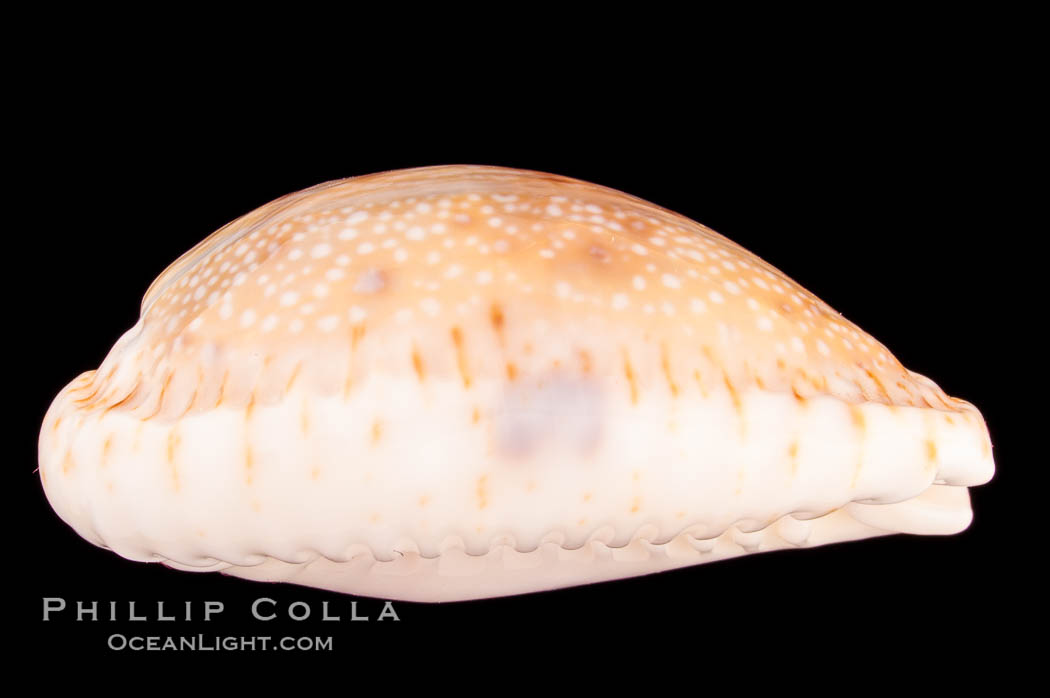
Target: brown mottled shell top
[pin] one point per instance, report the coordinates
(483, 264)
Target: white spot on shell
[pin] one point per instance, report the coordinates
(430, 306)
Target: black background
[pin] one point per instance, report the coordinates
(875, 186)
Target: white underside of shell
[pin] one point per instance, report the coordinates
(455, 575)
(387, 492)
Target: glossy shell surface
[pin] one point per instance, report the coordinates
(458, 382)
